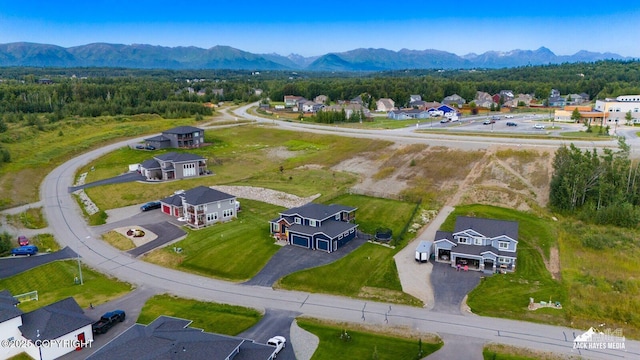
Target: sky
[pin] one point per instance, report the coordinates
(311, 28)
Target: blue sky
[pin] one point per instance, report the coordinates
(315, 28)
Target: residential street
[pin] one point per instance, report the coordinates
(68, 226)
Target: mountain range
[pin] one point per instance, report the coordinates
(143, 56)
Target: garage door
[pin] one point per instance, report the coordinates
(323, 245)
(166, 209)
(300, 241)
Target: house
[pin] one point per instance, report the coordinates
(316, 226)
(506, 95)
(349, 110)
(357, 100)
(10, 322)
(557, 101)
(172, 338)
(405, 114)
(414, 98)
(292, 100)
(385, 105)
(63, 324)
(172, 165)
(455, 100)
(443, 110)
(179, 137)
(201, 206)
(479, 244)
(321, 99)
(218, 92)
(310, 106)
(483, 99)
(554, 93)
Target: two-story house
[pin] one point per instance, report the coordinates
(201, 206)
(454, 100)
(172, 166)
(385, 105)
(181, 137)
(316, 226)
(479, 244)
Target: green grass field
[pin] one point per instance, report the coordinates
(365, 344)
(32, 218)
(211, 317)
(56, 281)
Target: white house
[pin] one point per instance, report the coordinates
(617, 109)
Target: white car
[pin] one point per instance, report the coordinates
(538, 126)
(279, 342)
(508, 116)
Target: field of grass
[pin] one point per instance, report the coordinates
(56, 281)
(34, 153)
(118, 241)
(503, 352)
(211, 317)
(31, 218)
(368, 272)
(45, 242)
(233, 251)
(364, 343)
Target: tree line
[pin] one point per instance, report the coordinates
(601, 188)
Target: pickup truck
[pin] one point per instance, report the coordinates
(107, 321)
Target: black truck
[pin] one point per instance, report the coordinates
(107, 321)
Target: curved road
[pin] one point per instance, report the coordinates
(70, 229)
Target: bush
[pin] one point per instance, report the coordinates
(5, 243)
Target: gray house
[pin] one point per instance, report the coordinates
(172, 338)
(316, 226)
(201, 206)
(172, 166)
(479, 244)
(181, 137)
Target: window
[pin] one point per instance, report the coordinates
(231, 202)
(312, 223)
(212, 216)
(504, 260)
(352, 230)
(219, 205)
(339, 236)
(188, 169)
(503, 245)
(463, 240)
(297, 220)
(477, 241)
(346, 233)
(227, 213)
(276, 227)
(337, 217)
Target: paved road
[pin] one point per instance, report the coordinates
(14, 265)
(69, 228)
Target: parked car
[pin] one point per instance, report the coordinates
(149, 147)
(23, 240)
(140, 147)
(279, 342)
(27, 250)
(538, 126)
(488, 122)
(495, 117)
(511, 123)
(107, 321)
(150, 206)
(445, 120)
(508, 116)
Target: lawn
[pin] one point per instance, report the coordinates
(503, 352)
(368, 272)
(32, 218)
(364, 343)
(45, 242)
(56, 281)
(233, 251)
(118, 241)
(211, 317)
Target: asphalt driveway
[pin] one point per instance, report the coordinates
(16, 264)
(166, 231)
(293, 258)
(274, 322)
(451, 286)
(124, 178)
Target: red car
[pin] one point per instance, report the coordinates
(23, 240)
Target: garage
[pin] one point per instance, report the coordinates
(166, 209)
(300, 241)
(322, 244)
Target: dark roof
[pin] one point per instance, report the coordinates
(174, 200)
(487, 227)
(182, 130)
(318, 211)
(204, 195)
(444, 235)
(178, 157)
(150, 164)
(331, 228)
(55, 320)
(171, 338)
(477, 250)
(159, 138)
(8, 309)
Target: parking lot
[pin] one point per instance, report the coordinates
(524, 124)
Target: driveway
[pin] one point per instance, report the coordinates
(292, 258)
(124, 178)
(166, 231)
(274, 322)
(14, 265)
(451, 286)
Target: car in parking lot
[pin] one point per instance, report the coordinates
(538, 126)
(150, 206)
(511, 123)
(27, 250)
(279, 342)
(23, 240)
(508, 116)
(488, 122)
(140, 147)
